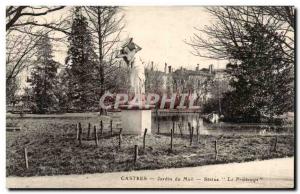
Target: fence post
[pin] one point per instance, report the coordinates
(197, 133)
(158, 127)
(89, 131)
(136, 153)
(144, 139)
(26, 158)
(275, 144)
(111, 128)
(190, 130)
(101, 128)
(216, 150)
(95, 135)
(80, 134)
(171, 146)
(120, 138)
(192, 135)
(156, 113)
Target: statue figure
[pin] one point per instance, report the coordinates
(136, 73)
(135, 115)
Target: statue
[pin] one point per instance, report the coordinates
(136, 115)
(136, 73)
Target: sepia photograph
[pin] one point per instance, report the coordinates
(150, 97)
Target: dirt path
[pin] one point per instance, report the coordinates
(275, 173)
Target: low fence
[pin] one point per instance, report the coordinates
(96, 132)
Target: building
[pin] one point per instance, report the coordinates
(198, 82)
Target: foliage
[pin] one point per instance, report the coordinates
(258, 42)
(43, 78)
(12, 86)
(262, 79)
(80, 64)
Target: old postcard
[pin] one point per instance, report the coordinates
(158, 97)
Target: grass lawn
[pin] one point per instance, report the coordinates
(53, 149)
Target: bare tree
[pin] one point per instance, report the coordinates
(105, 26)
(228, 31)
(25, 26)
(18, 16)
(20, 51)
(259, 44)
(281, 13)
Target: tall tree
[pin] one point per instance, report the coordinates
(43, 78)
(24, 29)
(259, 43)
(81, 63)
(105, 24)
(263, 79)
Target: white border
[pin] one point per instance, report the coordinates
(106, 2)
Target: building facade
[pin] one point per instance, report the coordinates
(201, 83)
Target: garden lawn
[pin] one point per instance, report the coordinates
(53, 149)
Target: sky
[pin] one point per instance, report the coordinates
(162, 32)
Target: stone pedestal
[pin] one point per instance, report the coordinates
(134, 121)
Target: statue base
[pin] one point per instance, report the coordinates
(136, 119)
